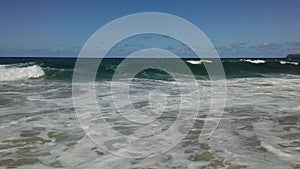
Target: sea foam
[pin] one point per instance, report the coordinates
(20, 73)
(197, 62)
(253, 61)
(292, 63)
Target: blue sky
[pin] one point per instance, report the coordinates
(239, 28)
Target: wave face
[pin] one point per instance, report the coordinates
(63, 68)
(14, 72)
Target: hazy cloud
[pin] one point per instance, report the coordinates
(293, 43)
(234, 49)
(241, 49)
(269, 46)
(238, 45)
(40, 52)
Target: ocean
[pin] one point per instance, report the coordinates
(39, 126)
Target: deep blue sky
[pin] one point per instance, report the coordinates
(236, 27)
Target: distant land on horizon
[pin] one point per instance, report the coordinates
(293, 56)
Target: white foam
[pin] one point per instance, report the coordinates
(291, 63)
(20, 73)
(197, 62)
(253, 61)
(275, 150)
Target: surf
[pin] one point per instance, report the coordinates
(197, 62)
(258, 61)
(12, 72)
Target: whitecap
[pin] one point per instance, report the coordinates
(197, 62)
(253, 61)
(20, 73)
(291, 63)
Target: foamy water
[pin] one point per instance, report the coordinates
(39, 126)
(196, 62)
(258, 61)
(11, 73)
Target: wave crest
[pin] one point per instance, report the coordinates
(20, 73)
(258, 61)
(291, 63)
(197, 62)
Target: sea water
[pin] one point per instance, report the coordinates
(259, 128)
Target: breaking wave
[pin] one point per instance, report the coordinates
(14, 72)
(258, 61)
